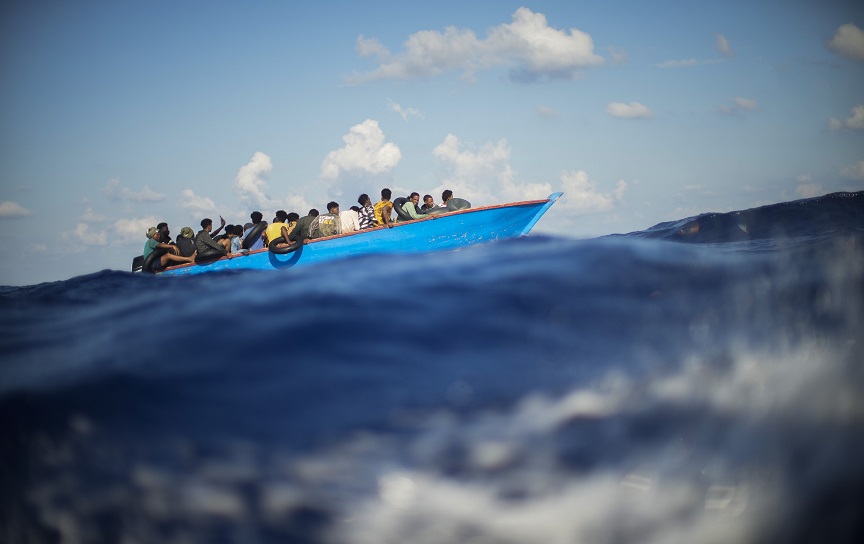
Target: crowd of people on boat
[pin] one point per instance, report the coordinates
(285, 230)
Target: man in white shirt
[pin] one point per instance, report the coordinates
(350, 219)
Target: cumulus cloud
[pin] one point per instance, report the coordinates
(809, 190)
(13, 209)
(483, 175)
(721, 44)
(848, 41)
(527, 45)
(581, 194)
(633, 110)
(249, 183)
(115, 192)
(404, 113)
(683, 63)
(855, 171)
(85, 235)
(855, 121)
(737, 105)
(365, 152)
(90, 216)
(133, 229)
(196, 203)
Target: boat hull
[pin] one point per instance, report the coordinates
(434, 233)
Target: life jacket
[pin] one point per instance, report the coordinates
(326, 224)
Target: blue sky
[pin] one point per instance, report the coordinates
(118, 115)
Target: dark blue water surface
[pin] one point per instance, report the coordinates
(700, 381)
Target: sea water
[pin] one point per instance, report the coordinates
(700, 381)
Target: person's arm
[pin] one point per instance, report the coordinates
(285, 232)
(169, 247)
(295, 232)
(386, 210)
(216, 232)
(411, 210)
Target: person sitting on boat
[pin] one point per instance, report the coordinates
(235, 236)
(384, 209)
(410, 208)
(301, 228)
(164, 233)
(428, 202)
(366, 214)
(256, 217)
(350, 219)
(445, 196)
(171, 253)
(326, 224)
(185, 242)
(277, 228)
(204, 242)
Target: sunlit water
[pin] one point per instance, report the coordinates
(700, 381)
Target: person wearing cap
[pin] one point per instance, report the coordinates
(170, 253)
(186, 242)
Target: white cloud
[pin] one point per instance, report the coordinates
(248, 182)
(90, 216)
(114, 192)
(809, 190)
(483, 176)
(684, 63)
(855, 121)
(848, 41)
(721, 44)
(404, 113)
(196, 203)
(528, 45)
(87, 236)
(582, 196)
(13, 209)
(364, 152)
(134, 230)
(633, 110)
(738, 104)
(547, 112)
(855, 171)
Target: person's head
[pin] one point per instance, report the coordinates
(186, 232)
(386, 194)
(313, 213)
(293, 217)
(207, 224)
(446, 195)
(152, 231)
(428, 200)
(332, 207)
(229, 230)
(364, 200)
(164, 232)
(281, 216)
(256, 217)
(415, 198)
(355, 209)
(238, 230)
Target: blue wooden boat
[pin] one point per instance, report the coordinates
(446, 231)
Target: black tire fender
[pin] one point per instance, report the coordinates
(400, 213)
(284, 250)
(254, 235)
(456, 204)
(147, 265)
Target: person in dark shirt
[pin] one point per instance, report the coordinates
(186, 242)
(301, 229)
(204, 242)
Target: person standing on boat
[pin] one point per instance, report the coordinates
(384, 209)
(366, 214)
(204, 241)
(171, 253)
